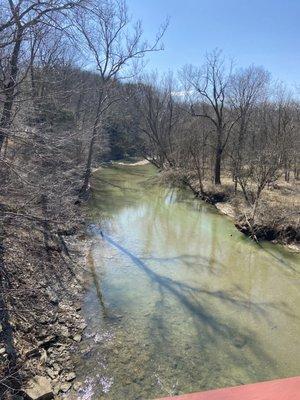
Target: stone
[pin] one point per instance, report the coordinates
(44, 357)
(32, 353)
(47, 341)
(56, 390)
(70, 376)
(39, 388)
(77, 338)
(82, 326)
(2, 351)
(52, 296)
(239, 341)
(64, 332)
(64, 387)
(52, 373)
(77, 385)
(56, 367)
(44, 319)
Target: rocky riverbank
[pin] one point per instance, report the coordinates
(41, 323)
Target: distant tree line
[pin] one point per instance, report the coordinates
(216, 121)
(74, 66)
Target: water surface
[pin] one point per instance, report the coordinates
(178, 300)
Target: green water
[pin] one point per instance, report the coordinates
(178, 300)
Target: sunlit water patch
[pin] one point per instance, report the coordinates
(178, 300)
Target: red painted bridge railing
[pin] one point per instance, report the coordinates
(279, 389)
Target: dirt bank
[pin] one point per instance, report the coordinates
(277, 217)
(40, 299)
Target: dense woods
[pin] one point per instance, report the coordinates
(73, 94)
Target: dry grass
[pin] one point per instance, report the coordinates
(278, 213)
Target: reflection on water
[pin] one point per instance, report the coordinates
(178, 299)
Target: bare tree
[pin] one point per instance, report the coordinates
(247, 89)
(21, 17)
(158, 118)
(262, 163)
(113, 46)
(207, 89)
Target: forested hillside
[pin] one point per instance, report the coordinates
(74, 94)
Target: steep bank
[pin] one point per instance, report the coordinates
(277, 217)
(41, 288)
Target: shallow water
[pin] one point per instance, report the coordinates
(178, 300)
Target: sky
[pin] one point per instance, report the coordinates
(260, 32)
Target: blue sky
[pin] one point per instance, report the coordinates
(260, 32)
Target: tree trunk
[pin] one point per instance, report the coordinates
(218, 166)
(287, 175)
(9, 89)
(235, 184)
(88, 169)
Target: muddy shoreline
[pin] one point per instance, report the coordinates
(286, 235)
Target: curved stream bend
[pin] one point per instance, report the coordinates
(178, 299)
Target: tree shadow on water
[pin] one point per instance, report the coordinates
(217, 331)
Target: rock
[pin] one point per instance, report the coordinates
(56, 367)
(52, 296)
(1, 328)
(44, 357)
(39, 388)
(52, 373)
(64, 332)
(127, 381)
(44, 319)
(82, 326)
(226, 209)
(239, 341)
(77, 385)
(2, 351)
(32, 353)
(77, 338)
(47, 341)
(64, 387)
(26, 328)
(70, 376)
(56, 390)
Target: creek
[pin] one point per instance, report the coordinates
(178, 300)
